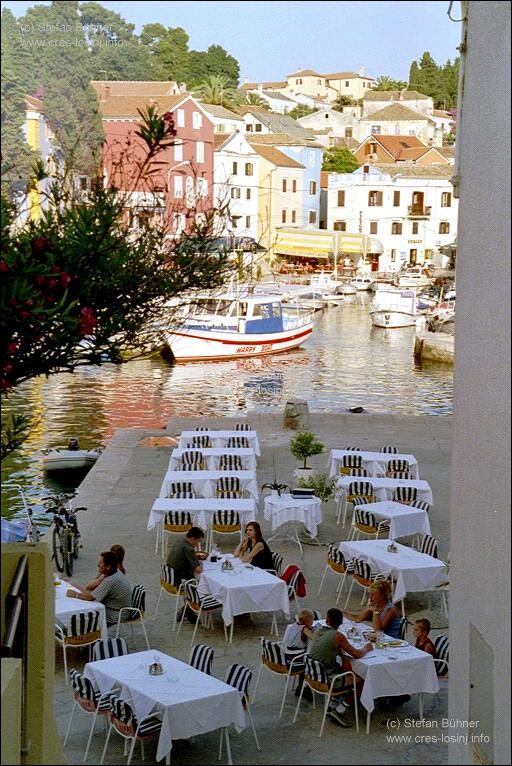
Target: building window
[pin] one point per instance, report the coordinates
(375, 130)
(178, 221)
(283, 215)
(181, 118)
(374, 198)
(294, 185)
(285, 184)
(220, 128)
(247, 221)
(235, 192)
(298, 82)
(374, 225)
(178, 187)
(444, 227)
(393, 256)
(294, 216)
(341, 198)
(312, 216)
(312, 187)
(202, 187)
(247, 194)
(235, 220)
(446, 199)
(347, 84)
(200, 151)
(348, 132)
(197, 120)
(258, 127)
(370, 148)
(234, 169)
(396, 199)
(248, 128)
(312, 158)
(340, 225)
(178, 151)
(396, 228)
(414, 229)
(249, 168)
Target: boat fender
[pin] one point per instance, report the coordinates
(356, 410)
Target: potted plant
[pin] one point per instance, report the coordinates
(274, 486)
(302, 446)
(323, 485)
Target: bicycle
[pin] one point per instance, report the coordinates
(32, 534)
(65, 533)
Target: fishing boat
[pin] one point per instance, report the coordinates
(70, 457)
(224, 326)
(362, 282)
(393, 308)
(415, 276)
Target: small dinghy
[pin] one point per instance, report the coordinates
(70, 457)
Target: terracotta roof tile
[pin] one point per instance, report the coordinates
(127, 106)
(346, 76)
(305, 73)
(282, 139)
(415, 171)
(135, 87)
(393, 95)
(276, 157)
(394, 112)
(270, 85)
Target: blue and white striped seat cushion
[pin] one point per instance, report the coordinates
(81, 623)
(237, 442)
(192, 456)
(177, 519)
(111, 647)
(226, 518)
(398, 465)
(123, 713)
(202, 658)
(405, 494)
(230, 463)
(84, 691)
(243, 427)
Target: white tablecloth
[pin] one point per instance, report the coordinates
(414, 572)
(212, 457)
(404, 519)
(384, 488)
(201, 509)
(191, 701)
(244, 589)
(220, 438)
(280, 509)
(66, 606)
(376, 463)
(204, 482)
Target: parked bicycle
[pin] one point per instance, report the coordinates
(24, 530)
(65, 533)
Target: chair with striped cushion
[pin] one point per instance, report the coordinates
(390, 449)
(90, 701)
(240, 678)
(237, 442)
(169, 585)
(400, 475)
(429, 545)
(203, 606)
(357, 472)
(277, 564)
(175, 523)
(442, 647)
(202, 428)
(193, 456)
(110, 647)
(200, 441)
(350, 461)
(364, 576)
(228, 484)
(357, 493)
(336, 563)
(201, 658)
(125, 723)
(397, 465)
(181, 489)
(225, 523)
(353, 449)
(293, 586)
(404, 623)
(191, 467)
(134, 614)
(421, 504)
(243, 427)
(405, 495)
(365, 523)
(318, 681)
(273, 659)
(82, 630)
(230, 463)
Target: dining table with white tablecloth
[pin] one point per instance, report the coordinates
(281, 509)
(384, 488)
(204, 483)
(66, 606)
(376, 463)
(212, 457)
(190, 701)
(414, 572)
(219, 439)
(404, 520)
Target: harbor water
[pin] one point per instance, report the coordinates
(347, 363)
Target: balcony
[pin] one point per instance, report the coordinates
(418, 211)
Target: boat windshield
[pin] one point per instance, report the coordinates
(213, 306)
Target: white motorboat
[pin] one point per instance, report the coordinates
(415, 276)
(234, 325)
(70, 457)
(393, 308)
(346, 289)
(362, 282)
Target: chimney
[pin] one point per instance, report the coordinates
(246, 80)
(361, 71)
(183, 87)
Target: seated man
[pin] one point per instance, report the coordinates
(113, 589)
(330, 647)
(182, 557)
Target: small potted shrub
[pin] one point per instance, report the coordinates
(323, 485)
(302, 446)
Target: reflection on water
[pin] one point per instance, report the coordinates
(346, 363)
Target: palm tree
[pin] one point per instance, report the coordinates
(216, 89)
(251, 98)
(384, 82)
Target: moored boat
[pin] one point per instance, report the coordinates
(415, 276)
(362, 282)
(70, 457)
(393, 308)
(224, 326)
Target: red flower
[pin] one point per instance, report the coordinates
(12, 348)
(39, 245)
(12, 302)
(4, 267)
(168, 117)
(55, 269)
(52, 284)
(65, 279)
(88, 321)
(40, 281)
(25, 314)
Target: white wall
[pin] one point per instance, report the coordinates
(480, 506)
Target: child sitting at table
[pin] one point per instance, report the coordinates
(421, 629)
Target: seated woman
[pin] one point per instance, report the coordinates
(381, 611)
(253, 549)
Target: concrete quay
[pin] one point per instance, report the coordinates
(119, 492)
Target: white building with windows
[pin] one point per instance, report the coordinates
(236, 172)
(409, 208)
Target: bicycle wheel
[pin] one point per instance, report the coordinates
(58, 550)
(76, 543)
(68, 551)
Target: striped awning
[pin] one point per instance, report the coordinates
(314, 243)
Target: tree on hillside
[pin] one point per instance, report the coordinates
(301, 110)
(217, 90)
(384, 82)
(214, 61)
(79, 285)
(440, 83)
(251, 98)
(339, 160)
(342, 100)
(168, 49)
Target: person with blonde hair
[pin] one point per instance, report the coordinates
(381, 611)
